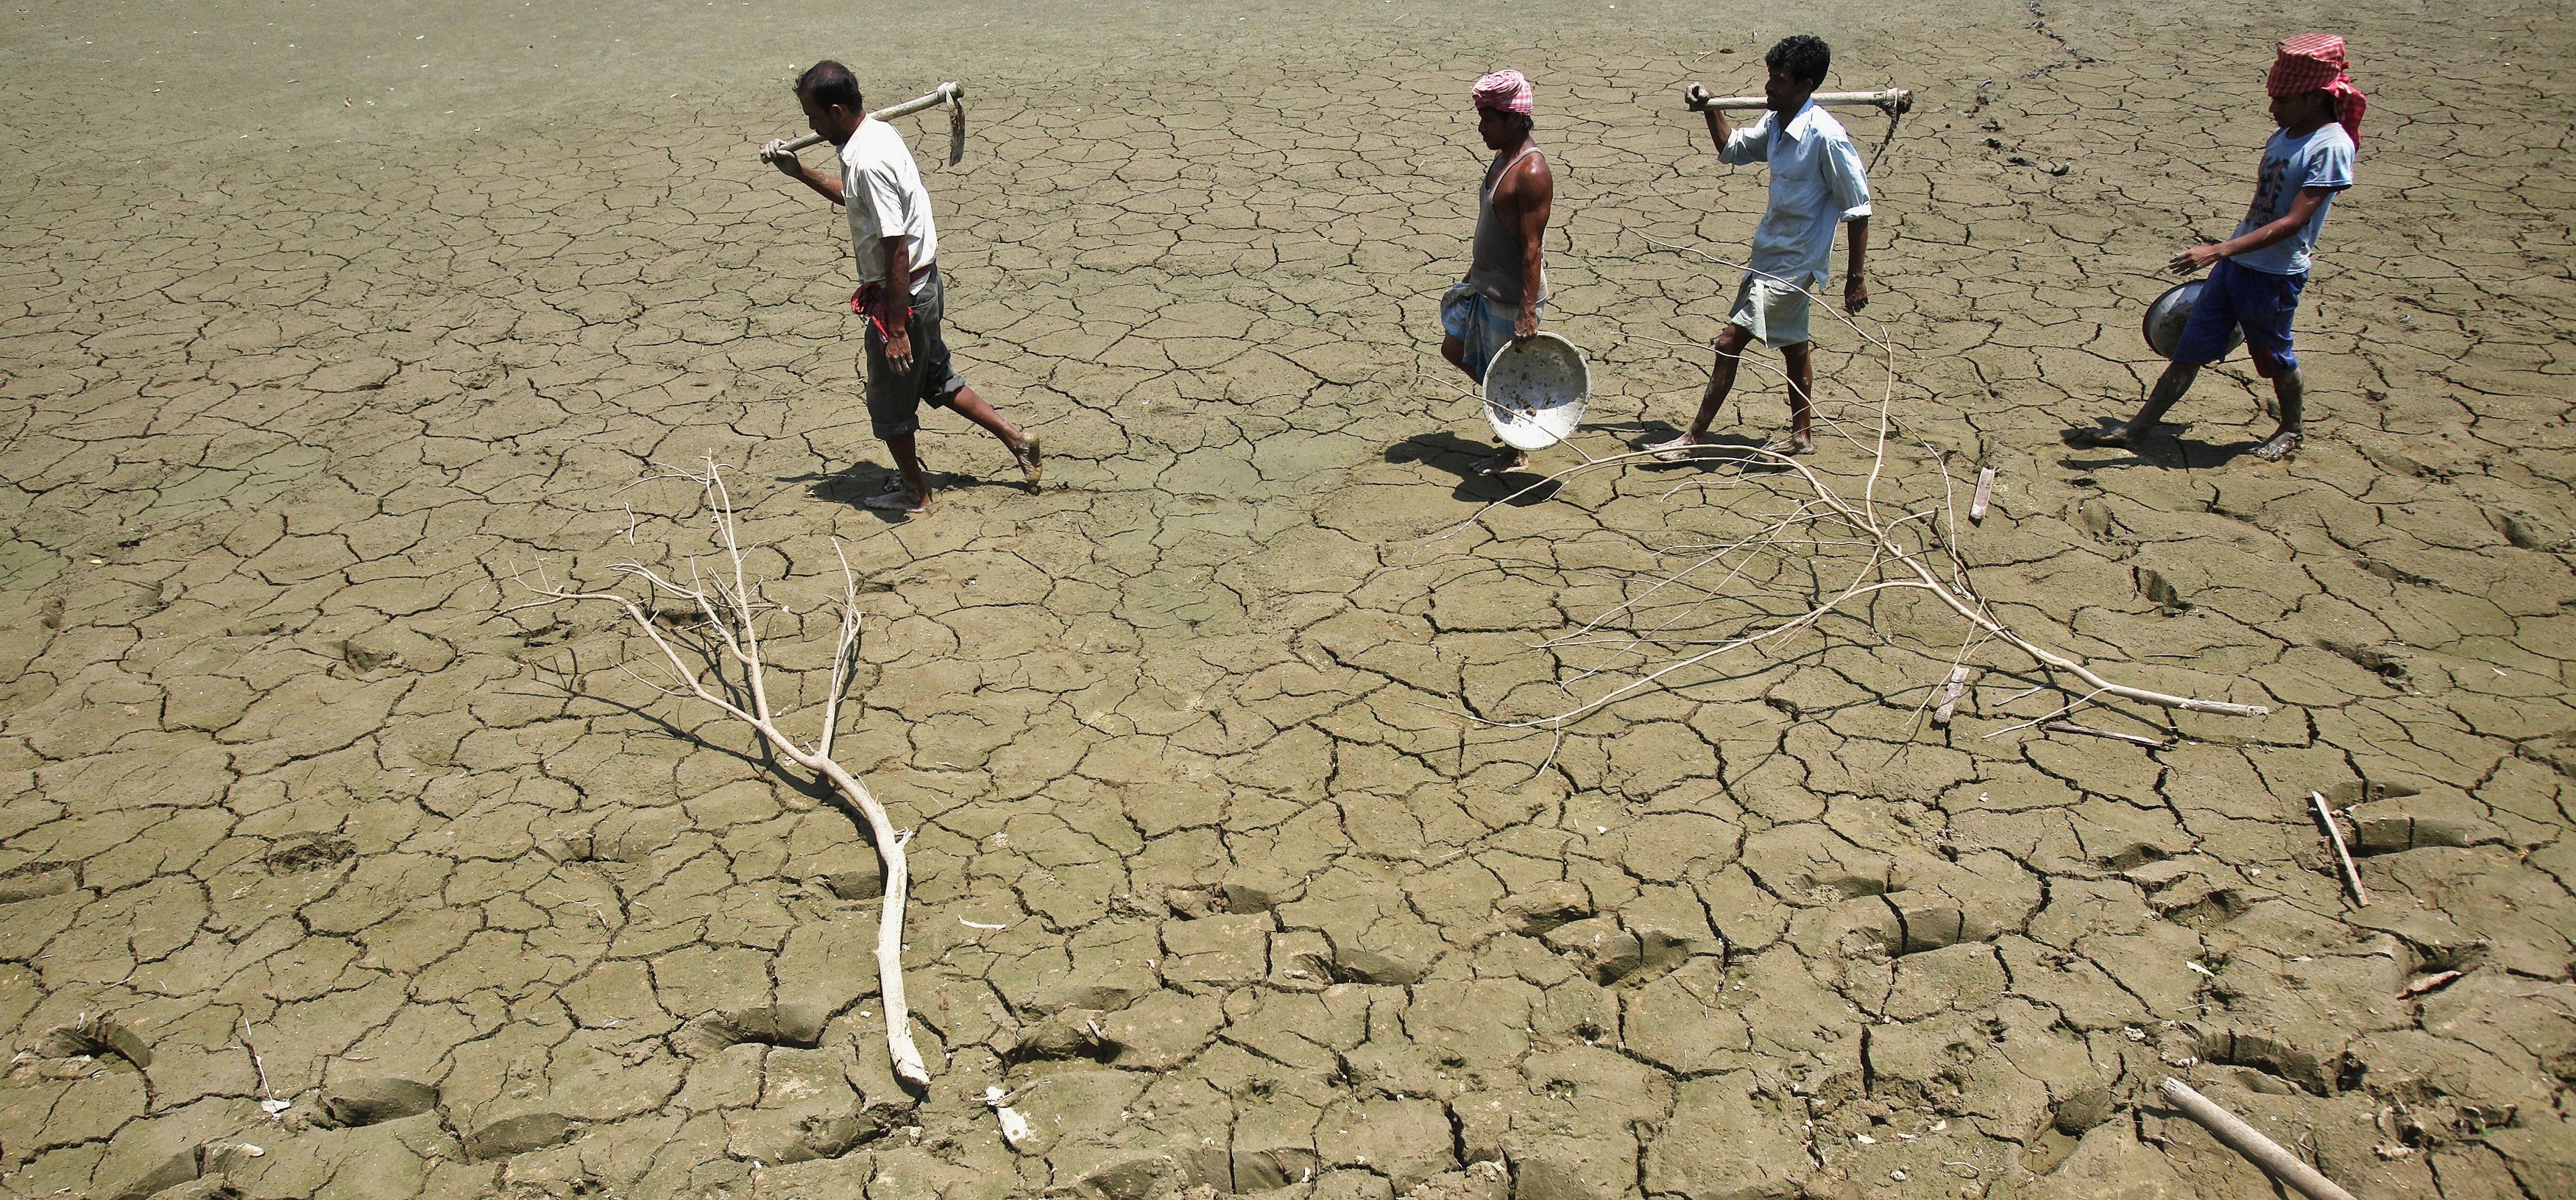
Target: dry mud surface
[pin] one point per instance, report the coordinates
(303, 356)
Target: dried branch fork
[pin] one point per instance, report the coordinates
(1896, 552)
(726, 638)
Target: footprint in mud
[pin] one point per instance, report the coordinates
(310, 854)
(30, 881)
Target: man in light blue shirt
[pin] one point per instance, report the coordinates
(1817, 183)
(2258, 273)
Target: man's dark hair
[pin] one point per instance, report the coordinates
(829, 82)
(1804, 56)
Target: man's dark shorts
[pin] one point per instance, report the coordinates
(894, 401)
(2260, 301)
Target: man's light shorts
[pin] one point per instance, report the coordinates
(1770, 310)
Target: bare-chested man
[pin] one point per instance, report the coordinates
(1505, 288)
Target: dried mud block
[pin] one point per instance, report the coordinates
(2156, 589)
(1536, 910)
(793, 1023)
(1156, 1175)
(1259, 890)
(1301, 960)
(315, 852)
(351, 1103)
(98, 1037)
(1486, 1180)
(1356, 964)
(1161, 1031)
(178, 1167)
(1566, 1170)
(808, 1109)
(2108, 1164)
(1224, 950)
(1608, 953)
(1687, 1021)
(1729, 1138)
(2193, 891)
(1069, 1033)
(2418, 822)
(1262, 1170)
(203, 1188)
(1407, 1141)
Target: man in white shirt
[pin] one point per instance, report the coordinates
(906, 361)
(1817, 183)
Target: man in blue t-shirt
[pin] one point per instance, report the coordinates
(2258, 273)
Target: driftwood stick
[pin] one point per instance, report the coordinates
(2351, 877)
(1985, 496)
(2242, 1138)
(2089, 731)
(1950, 697)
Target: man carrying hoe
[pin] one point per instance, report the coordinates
(1817, 183)
(2256, 276)
(906, 361)
(1505, 288)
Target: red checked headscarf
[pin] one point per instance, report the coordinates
(1504, 91)
(2312, 61)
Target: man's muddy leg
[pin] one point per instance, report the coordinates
(907, 461)
(2292, 393)
(2169, 388)
(1731, 342)
(1023, 448)
(1802, 387)
(1456, 352)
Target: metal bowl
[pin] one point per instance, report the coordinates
(2167, 316)
(1535, 391)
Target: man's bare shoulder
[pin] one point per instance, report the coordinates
(1528, 175)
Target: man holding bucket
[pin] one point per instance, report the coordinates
(1505, 288)
(2256, 276)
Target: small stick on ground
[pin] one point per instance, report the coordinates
(2089, 731)
(1985, 496)
(2259, 1150)
(1950, 697)
(2351, 877)
(2428, 983)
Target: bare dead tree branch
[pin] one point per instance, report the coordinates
(726, 604)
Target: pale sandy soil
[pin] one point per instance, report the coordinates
(304, 354)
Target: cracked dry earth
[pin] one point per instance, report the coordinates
(1211, 875)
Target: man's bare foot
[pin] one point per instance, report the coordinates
(898, 499)
(2283, 445)
(2119, 437)
(1680, 449)
(1791, 443)
(1026, 454)
(1502, 460)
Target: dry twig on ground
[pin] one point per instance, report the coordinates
(717, 660)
